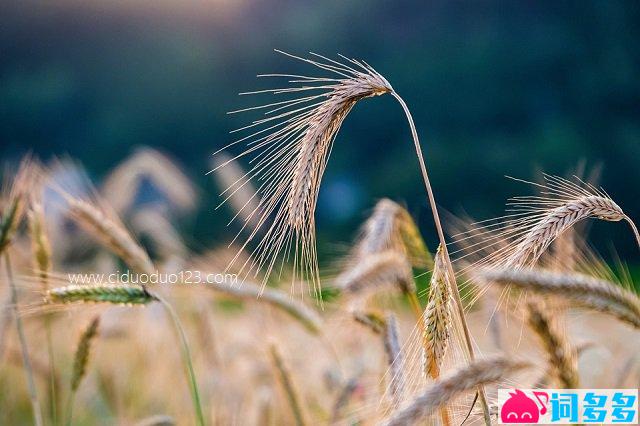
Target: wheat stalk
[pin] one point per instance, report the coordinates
(9, 223)
(290, 389)
(593, 293)
(41, 251)
(446, 389)
(118, 294)
(562, 357)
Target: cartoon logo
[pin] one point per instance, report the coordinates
(519, 408)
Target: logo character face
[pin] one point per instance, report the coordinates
(520, 409)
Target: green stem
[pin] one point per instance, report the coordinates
(186, 357)
(31, 386)
(443, 244)
(69, 415)
(53, 402)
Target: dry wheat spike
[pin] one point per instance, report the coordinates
(448, 388)
(589, 292)
(290, 149)
(437, 319)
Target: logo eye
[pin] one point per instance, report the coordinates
(514, 414)
(527, 415)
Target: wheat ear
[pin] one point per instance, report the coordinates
(563, 358)
(446, 389)
(80, 361)
(589, 292)
(395, 359)
(289, 388)
(375, 273)
(111, 233)
(437, 319)
(290, 155)
(391, 227)
(249, 291)
(118, 294)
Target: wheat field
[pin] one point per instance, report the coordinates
(391, 332)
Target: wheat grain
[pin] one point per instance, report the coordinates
(124, 294)
(446, 389)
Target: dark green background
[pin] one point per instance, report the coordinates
(496, 88)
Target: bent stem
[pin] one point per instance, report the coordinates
(634, 229)
(186, 358)
(445, 251)
(31, 386)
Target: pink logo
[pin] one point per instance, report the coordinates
(519, 408)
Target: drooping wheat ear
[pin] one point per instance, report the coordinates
(391, 227)
(40, 246)
(437, 319)
(149, 165)
(292, 146)
(535, 222)
(125, 294)
(249, 291)
(443, 391)
(289, 388)
(562, 357)
(108, 230)
(589, 292)
(395, 359)
(375, 273)
(290, 150)
(81, 358)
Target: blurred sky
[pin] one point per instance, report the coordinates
(496, 88)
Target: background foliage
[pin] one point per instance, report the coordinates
(497, 88)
